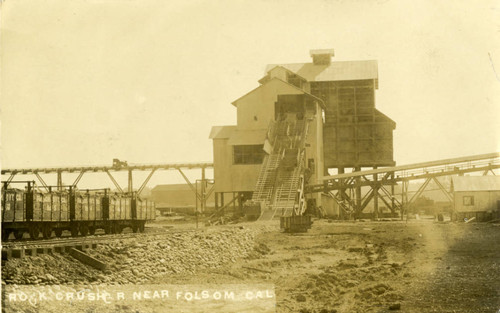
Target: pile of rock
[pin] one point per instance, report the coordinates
(137, 260)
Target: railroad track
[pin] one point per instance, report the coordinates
(87, 240)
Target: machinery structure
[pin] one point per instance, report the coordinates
(302, 120)
(381, 182)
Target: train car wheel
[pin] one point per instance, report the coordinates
(84, 229)
(135, 227)
(47, 232)
(18, 234)
(107, 229)
(5, 234)
(92, 231)
(58, 232)
(74, 230)
(119, 229)
(141, 227)
(34, 232)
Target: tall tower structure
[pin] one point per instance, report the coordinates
(303, 119)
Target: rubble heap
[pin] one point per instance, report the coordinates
(136, 260)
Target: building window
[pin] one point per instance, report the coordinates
(468, 200)
(248, 154)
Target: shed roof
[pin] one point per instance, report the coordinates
(277, 80)
(247, 137)
(336, 71)
(269, 69)
(476, 183)
(221, 132)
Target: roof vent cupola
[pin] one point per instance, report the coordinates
(322, 56)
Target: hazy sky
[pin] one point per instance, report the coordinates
(84, 82)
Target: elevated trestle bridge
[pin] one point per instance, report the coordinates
(120, 166)
(346, 188)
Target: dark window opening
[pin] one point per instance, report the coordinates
(468, 200)
(248, 154)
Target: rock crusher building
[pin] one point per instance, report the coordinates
(302, 120)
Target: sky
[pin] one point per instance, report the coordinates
(83, 82)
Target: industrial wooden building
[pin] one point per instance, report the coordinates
(476, 196)
(330, 109)
(177, 198)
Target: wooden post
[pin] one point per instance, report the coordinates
(358, 193)
(375, 195)
(393, 209)
(340, 170)
(202, 191)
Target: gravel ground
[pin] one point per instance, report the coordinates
(343, 267)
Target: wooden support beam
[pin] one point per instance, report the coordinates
(386, 203)
(77, 180)
(446, 192)
(223, 207)
(375, 194)
(59, 180)
(210, 191)
(11, 177)
(42, 181)
(367, 199)
(419, 191)
(87, 259)
(145, 182)
(130, 188)
(193, 188)
(390, 195)
(114, 181)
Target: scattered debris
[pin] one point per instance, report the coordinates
(257, 269)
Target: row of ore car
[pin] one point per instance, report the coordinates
(37, 212)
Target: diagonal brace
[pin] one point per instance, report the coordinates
(42, 181)
(114, 182)
(190, 184)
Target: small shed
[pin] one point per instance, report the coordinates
(476, 196)
(178, 198)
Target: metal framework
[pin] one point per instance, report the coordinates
(345, 188)
(118, 166)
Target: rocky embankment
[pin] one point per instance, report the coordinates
(136, 260)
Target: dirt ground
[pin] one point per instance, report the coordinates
(416, 266)
(363, 266)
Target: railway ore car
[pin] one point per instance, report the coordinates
(13, 206)
(36, 212)
(145, 210)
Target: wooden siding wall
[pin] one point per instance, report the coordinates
(355, 133)
(483, 201)
(231, 177)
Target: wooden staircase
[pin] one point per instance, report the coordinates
(278, 184)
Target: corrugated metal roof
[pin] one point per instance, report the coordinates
(266, 77)
(476, 183)
(279, 81)
(336, 71)
(247, 137)
(221, 132)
